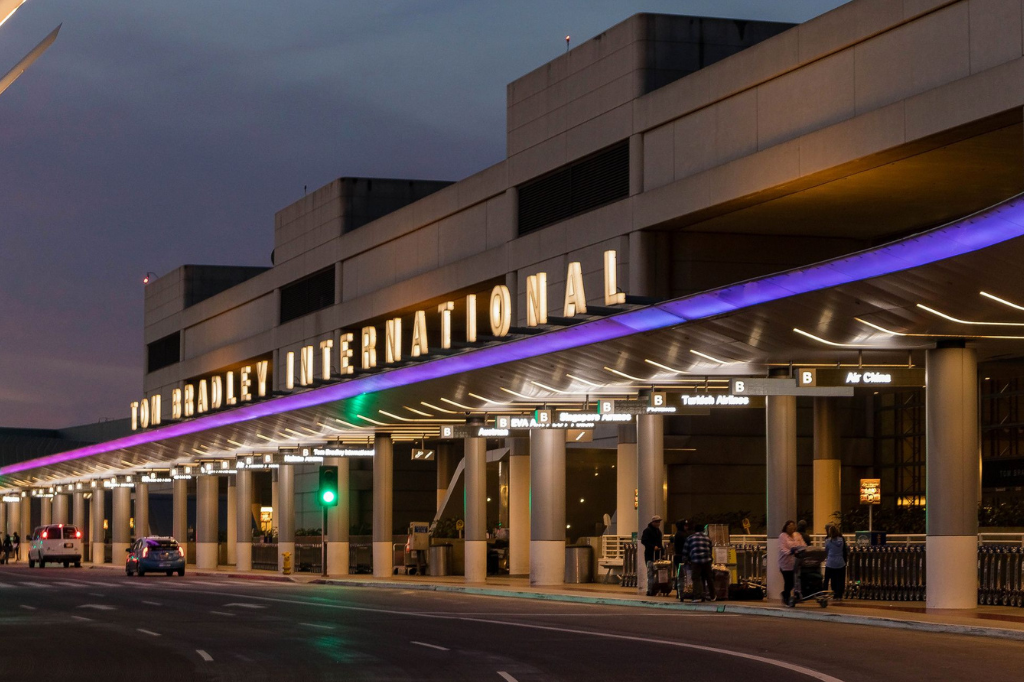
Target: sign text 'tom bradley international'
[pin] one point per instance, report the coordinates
(219, 391)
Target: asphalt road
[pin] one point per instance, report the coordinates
(91, 624)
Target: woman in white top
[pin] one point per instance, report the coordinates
(789, 542)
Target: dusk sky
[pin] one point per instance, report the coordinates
(155, 134)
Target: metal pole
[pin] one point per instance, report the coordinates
(323, 544)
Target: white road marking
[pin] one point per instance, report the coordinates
(317, 625)
(245, 606)
(505, 676)
(221, 613)
(30, 608)
(148, 632)
(95, 594)
(82, 618)
(98, 607)
(5, 585)
(430, 646)
(205, 656)
(606, 635)
(152, 603)
(67, 583)
(34, 585)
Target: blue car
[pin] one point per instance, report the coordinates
(155, 555)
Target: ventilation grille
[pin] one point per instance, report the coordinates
(576, 188)
(307, 295)
(163, 352)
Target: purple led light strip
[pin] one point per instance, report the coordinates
(981, 230)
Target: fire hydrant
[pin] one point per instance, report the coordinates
(286, 563)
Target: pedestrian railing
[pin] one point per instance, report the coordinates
(888, 573)
(1001, 575)
(629, 564)
(264, 556)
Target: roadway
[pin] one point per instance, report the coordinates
(99, 624)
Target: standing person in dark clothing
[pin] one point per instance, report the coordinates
(16, 542)
(697, 549)
(652, 539)
(801, 528)
(7, 547)
(682, 532)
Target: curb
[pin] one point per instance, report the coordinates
(248, 576)
(796, 614)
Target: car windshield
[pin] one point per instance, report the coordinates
(161, 543)
(70, 533)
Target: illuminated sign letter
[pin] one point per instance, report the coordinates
(189, 402)
(202, 400)
(216, 392)
(261, 377)
(244, 384)
(325, 358)
(575, 297)
(369, 347)
(419, 334)
(393, 340)
(176, 404)
(501, 310)
(446, 309)
(135, 416)
(289, 370)
(537, 299)
(229, 393)
(144, 414)
(345, 352)
(612, 295)
(155, 408)
(471, 318)
(306, 365)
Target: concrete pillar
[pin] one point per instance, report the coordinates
(338, 522)
(286, 517)
(60, 508)
(476, 509)
(952, 469)
(3, 520)
(547, 513)
(445, 466)
(232, 529)
(141, 510)
(383, 481)
(275, 500)
(120, 527)
(519, 506)
(98, 535)
(26, 525)
(207, 523)
(78, 514)
(45, 511)
(650, 474)
(828, 464)
(243, 520)
(780, 415)
(179, 515)
(14, 519)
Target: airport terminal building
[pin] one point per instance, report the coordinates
(726, 270)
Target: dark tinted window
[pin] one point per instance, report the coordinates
(70, 532)
(160, 543)
(307, 295)
(163, 352)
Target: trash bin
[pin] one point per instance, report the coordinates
(579, 564)
(440, 560)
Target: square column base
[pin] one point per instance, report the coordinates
(243, 556)
(206, 555)
(774, 576)
(476, 561)
(547, 562)
(337, 558)
(383, 560)
(97, 553)
(951, 564)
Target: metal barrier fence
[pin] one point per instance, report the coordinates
(1001, 575)
(629, 564)
(264, 556)
(750, 563)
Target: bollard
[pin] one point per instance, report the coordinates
(286, 563)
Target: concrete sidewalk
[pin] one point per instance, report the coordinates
(1004, 622)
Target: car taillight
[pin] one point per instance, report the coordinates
(181, 551)
(145, 552)
(78, 533)
(44, 535)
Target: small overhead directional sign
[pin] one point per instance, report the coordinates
(784, 386)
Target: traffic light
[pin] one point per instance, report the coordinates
(327, 493)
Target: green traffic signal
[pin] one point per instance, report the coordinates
(328, 497)
(328, 490)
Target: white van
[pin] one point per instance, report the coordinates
(57, 544)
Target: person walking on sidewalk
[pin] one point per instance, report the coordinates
(836, 553)
(652, 540)
(697, 549)
(790, 542)
(682, 532)
(16, 543)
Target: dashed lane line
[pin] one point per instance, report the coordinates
(221, 613)
(98, 607)
(430, 646)
(152, 603)
(205, 656)
(148, 632)
(505, 676)
(28, 608)
(318, 625)
(82, 618)
(245, 606)
(44, 585)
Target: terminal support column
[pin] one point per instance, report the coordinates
(952, 470)
(547, 513)
(3, 519)
(338, 523)
(519, 506)
(625, 482)
(98, 535)
(232, 526)
(650, 447)
(286, 518)
(828, 464)
(120, 528)
(78, 512)
(383, 479)
(780, 431)
(60, 508)
(13, 519)
(207, 523)
(179, 514)
(141, 510)
(243, 520)
(45, 511)
(445, 466)
(476, 508)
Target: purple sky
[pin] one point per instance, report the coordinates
(154, 134)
